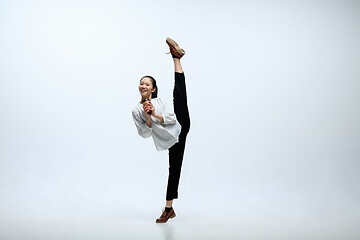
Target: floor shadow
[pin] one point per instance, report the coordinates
(167, 230)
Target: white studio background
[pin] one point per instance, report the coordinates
(273, 91)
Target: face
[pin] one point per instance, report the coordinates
(146, 87)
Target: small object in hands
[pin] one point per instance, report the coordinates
(146, 101)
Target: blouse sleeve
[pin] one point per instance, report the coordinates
(141, 126)
(169, 117)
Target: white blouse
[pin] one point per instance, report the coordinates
(165, 134)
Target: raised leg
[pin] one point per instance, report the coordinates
(180, 98)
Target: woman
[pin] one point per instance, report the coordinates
(168, 130)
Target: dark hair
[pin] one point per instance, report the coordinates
(154, 94)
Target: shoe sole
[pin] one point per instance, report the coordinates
(174, 45)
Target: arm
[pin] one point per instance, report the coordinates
(158, 116)
(142, 127)
(168, 117)
(150, 107)
(165, 117)
(148, 121)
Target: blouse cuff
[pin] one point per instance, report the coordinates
(169, 119)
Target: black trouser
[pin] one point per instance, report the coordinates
(176, 152)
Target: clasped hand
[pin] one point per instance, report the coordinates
(149, 109)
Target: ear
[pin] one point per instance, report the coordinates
(153, 90)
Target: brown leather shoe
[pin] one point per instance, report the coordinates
(165, 216)
(175, 50)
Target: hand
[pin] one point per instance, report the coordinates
(149, 109)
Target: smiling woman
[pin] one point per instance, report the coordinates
(168, 130)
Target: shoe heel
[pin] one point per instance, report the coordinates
(172, 216)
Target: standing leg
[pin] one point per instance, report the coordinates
(176, 155)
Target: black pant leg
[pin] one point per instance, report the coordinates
(176, 155)
(176, 152)
(180, 102)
